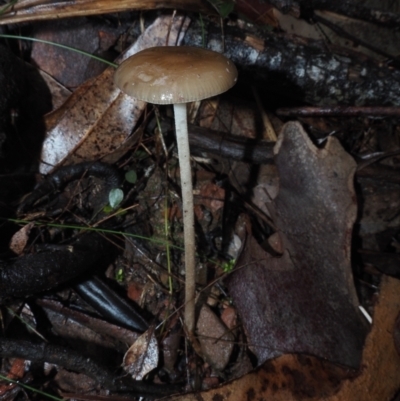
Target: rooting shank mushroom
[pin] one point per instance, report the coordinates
(178, 75)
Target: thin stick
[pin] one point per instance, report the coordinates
(351, 111)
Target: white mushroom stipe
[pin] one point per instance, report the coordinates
(182, 139)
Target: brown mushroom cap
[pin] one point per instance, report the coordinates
(175, 74)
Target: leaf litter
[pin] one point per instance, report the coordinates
(299, 309)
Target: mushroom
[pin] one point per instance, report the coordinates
(179, 75)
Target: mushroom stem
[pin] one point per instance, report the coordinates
(187, 212)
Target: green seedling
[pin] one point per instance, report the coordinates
(131, 176)
(120, 276)
(228, 266)
(115, 197)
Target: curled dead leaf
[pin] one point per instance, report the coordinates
(142, 357)
(20, 238)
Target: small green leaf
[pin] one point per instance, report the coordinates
(227, 267)
(107, 209)
(224, 7)
(115, 197)
(119, 275)
(140, 155)
(131, 176)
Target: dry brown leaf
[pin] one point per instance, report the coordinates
(81, 116)
(142, 357)
(212, 197)
(221, 115)
(301, 377)
(305, 300)
(215, 339)
(382, 38)
(71, 68)
(97, 119)
(259, 12)
(59, 93)
(34, 10)
(20, 238)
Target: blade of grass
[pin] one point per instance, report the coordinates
(47, 42)
(7, 6)
(95, 229)
(105, 231)
(35, 390)
(26, 323)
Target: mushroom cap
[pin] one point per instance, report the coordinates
(175, 74)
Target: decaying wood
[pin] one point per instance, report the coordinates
(28, 10)
(292, 68)
(230, 146)
(65, 315)
(73, 360)
(304, 70)
(347, 111)
(355, 39)
(350, 9)
(44, 352)
(35, 273)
